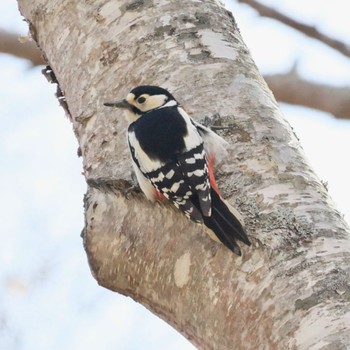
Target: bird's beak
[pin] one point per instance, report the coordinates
(118, 104)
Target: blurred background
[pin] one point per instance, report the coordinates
(49, 300)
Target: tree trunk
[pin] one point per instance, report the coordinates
(291, 289)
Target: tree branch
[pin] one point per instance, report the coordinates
(310, 31)
(11, 44)
(291, 288)
(291, 88)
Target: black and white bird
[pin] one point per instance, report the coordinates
(173, 157)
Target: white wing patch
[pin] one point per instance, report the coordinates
(198, 172)
(170, 174)
(192, 139)
(176, 185)
(148, 165)
(190, 160)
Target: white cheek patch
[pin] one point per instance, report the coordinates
(152, 102)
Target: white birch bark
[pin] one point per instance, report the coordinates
(291, 289)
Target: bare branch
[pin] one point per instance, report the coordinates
(10, 43)
(310, 31)
(291, 88)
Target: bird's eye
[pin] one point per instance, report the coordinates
(141, 99)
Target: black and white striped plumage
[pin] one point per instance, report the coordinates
(172, 157)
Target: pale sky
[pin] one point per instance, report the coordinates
(49, 298)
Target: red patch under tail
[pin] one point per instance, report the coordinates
(158, 196)
(211, 162)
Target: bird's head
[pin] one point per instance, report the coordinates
(143, 99)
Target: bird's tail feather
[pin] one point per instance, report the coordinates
(225, 225)
(220, 233)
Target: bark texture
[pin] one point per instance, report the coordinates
(291, 290)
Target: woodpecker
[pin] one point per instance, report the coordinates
(173, 157)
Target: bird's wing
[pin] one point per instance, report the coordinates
(184, 179)
(171, 182)
(146, 186)
(215, 146)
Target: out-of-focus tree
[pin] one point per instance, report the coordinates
(289, 87)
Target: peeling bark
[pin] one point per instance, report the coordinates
(291, 290)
